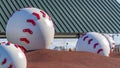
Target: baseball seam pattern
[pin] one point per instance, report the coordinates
(5, 60)
(37, 15)
(33, 22)
(11, 66)
(28, 31)
(89, 42)
(43, 13)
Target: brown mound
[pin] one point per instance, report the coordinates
(115, 55)
(63, 59)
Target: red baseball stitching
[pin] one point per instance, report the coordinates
(25, 40)
(22, 48)
(96, 44)
(28, 31)
(99, 51)
(31, 21)
(43, 13)
(8, 43)
(10, 66)
(36, 14)
(85, 38)
(89, 42)
(16, 45)
(4, 61)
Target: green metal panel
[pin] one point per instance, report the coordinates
(70, 16)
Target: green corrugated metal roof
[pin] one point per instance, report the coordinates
(70, 16)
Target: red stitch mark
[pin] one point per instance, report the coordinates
(4, 61)
(96, 44)
(28, 30)
(8, 43)
(16, 45)
(99, 51)
(85, 38)
(25, 40)
(11, 66)
(43, 13)
(36, 14)
(31, 21)
(90, 41)
(22, 48)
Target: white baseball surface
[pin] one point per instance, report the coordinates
(93, 42)
(111, 41)
(30, 27)
(11, 56)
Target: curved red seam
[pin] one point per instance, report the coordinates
(22, 48)
(96, 44)
(37, 15)
(8, 43)
(4, 61)
(31, 21)
(25, 40)
(99, 51)
(16, 45)
(28, 31)
(10, 66)
(43, 13)
(85, 38)
(90, 41)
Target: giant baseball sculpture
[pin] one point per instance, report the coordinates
(11, 56)
(30, 27)
(111, 41)
(93, 42)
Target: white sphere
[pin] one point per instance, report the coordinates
(30, 27)
(111, 41)
(11, 56)
(93, 42)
